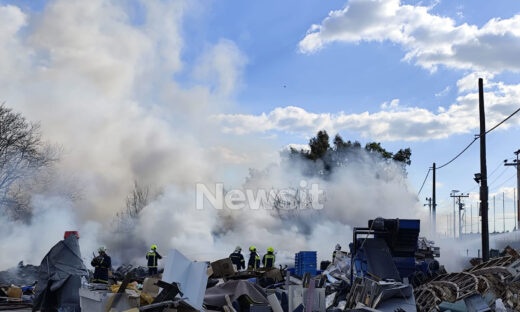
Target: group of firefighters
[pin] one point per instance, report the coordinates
(254, 259)
(102, 262)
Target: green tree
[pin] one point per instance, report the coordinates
(403, 155)
(375, 147)
(340, 153)
(319, 145)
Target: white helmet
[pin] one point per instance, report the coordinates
(338, 247)
(238, 249)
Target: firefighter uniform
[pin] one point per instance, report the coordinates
(254, 259)
(238, 259)
(101, 264)
(153, 256)
(269, 258)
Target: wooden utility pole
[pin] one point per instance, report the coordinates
(504, 212)
(429, 204)
(516, 163)
(494, 216)
(457, 199)
(471, 211)
(434, 203)
(483, 173)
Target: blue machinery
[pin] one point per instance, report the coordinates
(386, 250)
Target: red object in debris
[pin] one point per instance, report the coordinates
(69, 233)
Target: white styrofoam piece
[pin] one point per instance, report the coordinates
(191, 277)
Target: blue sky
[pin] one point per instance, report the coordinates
(356, 77)
(342, 68)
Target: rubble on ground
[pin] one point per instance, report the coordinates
(388, 268)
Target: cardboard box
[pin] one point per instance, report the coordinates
(223, 268)
(14, 292)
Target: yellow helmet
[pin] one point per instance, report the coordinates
(270, 249)
(154, 247)
(252, 248)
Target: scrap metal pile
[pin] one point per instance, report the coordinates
(498, 278)
(387, 268)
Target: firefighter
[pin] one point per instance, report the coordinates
(102, 264)
(268, 259)
(254, 259)
(338, 249)
(238, 259)
(153, 257)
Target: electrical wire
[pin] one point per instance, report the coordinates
(500, 163)
(476, 138)
(501, 174)
(426, 177)
(465, 149)
(507, 180)
(489, 175)
(516, 111)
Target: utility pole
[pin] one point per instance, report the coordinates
(448, 225)
(514, 209)
(516, 163)
(494, 215)
(434, 202)
(471, 212)
(478, 221)
(429, 204)
(483, 173)
(457, 198)
(504, 211)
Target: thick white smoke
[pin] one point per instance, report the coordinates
(103, 87)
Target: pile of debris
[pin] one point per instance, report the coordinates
(388, 268)
(488, 284)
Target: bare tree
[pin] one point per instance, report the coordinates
(22, 155)
(126, 219)
(137, 200)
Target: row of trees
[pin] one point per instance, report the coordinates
(342, 152)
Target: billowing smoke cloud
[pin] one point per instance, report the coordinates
(101, 82)
(265, 216)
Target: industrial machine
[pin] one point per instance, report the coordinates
(390, 249)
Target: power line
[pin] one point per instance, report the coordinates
(489, 175)
(449, 162)
(500, 164)
(507, 180)
(426, 177)
(501, 174)
(478, 137)
(516, 111)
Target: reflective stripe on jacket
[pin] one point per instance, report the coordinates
(102, 264)
(238, 260)
(153, 257)
(254, 261)
(268, 260)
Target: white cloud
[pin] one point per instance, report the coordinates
(394, 122)
(444, 92)
(392, 105)
(429, 40)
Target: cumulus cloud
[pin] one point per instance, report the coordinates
(428, 39)
(103, 89)
(394, 122)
